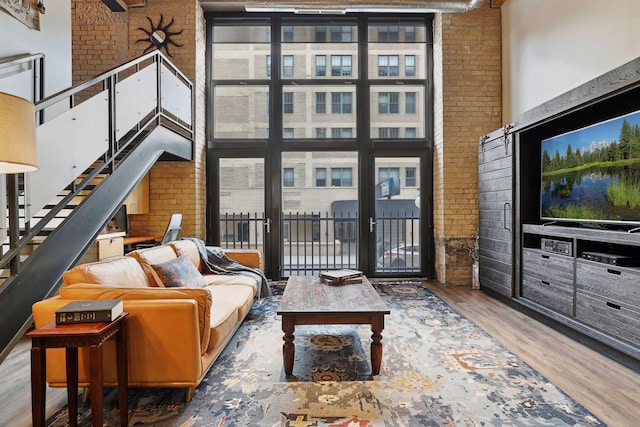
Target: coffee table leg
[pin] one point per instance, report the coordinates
(288, 349)
(377, 325)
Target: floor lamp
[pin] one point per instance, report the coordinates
(17, 135)
(17, 155)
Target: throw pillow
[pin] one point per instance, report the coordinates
(179, 272)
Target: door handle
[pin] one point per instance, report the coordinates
(372, 223)
(505, 219)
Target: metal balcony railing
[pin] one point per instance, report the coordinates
(316, 242)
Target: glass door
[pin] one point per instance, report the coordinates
(319, 229)
(396, 221)
(241, 185)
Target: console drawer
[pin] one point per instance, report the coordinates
(547, 279)
(544, 264)
(618, 284)
(617, 319)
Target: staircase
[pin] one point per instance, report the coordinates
(92, 155)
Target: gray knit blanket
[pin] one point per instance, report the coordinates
(217, 262)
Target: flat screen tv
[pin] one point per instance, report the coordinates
(592, 175)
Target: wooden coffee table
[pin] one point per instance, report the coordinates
(311, 301)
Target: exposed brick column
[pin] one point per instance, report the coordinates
(467, 98)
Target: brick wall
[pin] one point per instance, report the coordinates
(467, 51)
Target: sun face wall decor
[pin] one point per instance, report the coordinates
(159, 36)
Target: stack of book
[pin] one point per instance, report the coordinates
(106, 310)
(338, 277)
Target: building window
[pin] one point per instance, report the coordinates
(410, 65)
(268, 65)
(341, 102)
(388, 132)
(321, 177)
(386, 173)
(341, 33)
(321, 102)
(340, 65)
(409, 34)
(388, 65)
(410, 102)
(389, 33)
(410, 177)
(287, 177)
(321, 65)
(341, 177)
(287, 66)
(341, 133)
(321, 33)
(388, 102)
(287, 34)
(321, 132)
(410, 133)
(287, 133)
(287, 104)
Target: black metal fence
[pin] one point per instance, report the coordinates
(314, 242)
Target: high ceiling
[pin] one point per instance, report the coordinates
(325, 6)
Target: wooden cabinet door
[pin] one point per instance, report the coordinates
(495, 198)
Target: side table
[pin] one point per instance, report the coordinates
(70, 337)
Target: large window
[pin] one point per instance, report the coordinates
(318, 99)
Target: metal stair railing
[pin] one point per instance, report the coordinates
(85, 134)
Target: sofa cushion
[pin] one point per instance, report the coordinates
(224, 322)
(240, 297)
(179, 273)
(201, 296)
(231, 279)
(123, 272)
(188, 248)
(150, 256)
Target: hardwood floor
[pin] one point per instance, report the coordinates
(607, 388)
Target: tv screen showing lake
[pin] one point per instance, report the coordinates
(593, 173)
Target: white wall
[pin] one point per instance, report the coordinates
(53, 39)
(552, 46)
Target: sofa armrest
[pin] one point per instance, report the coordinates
(247, 257)
(164, 331)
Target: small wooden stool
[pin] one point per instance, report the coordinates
(70, 337)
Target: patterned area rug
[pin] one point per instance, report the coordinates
(438, 369)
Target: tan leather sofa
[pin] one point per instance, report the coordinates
(173, 334)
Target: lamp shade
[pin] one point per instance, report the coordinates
(17, 135)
